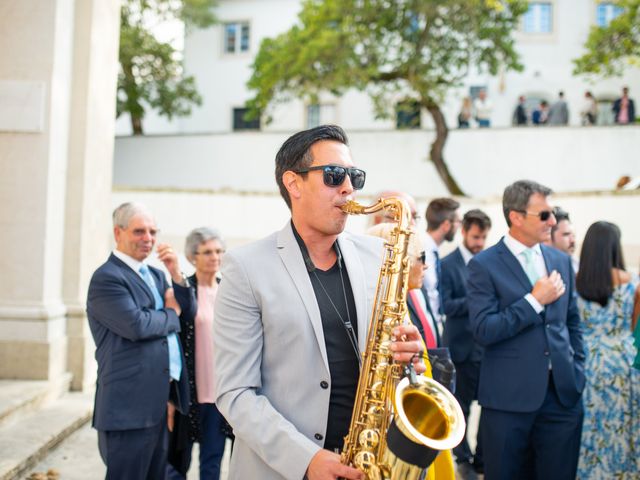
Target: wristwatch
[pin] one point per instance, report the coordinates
(184, 282)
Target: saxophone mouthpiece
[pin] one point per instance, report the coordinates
(353, 208)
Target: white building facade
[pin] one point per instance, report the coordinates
(551, 35)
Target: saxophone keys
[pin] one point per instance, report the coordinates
(365, 462)
(385, 347)
(369, 439)
(377, 390)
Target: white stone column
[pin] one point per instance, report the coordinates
(88, 202)
(47, 142)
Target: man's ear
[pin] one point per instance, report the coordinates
(515, 218)
(290, 181)
(446, 226)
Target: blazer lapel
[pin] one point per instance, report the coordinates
(513, 264)
(128, 272)
(358, 286)
(549, 266)
(291, 256)
(460, 261)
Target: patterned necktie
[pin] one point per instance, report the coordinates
(530, 265)
(175, 362)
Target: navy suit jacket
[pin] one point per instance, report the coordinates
(133, 385)
(458, 335)
(519, 343)
(415, 319)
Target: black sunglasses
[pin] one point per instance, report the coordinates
(334, 175)
(423, 258)
(544, 215)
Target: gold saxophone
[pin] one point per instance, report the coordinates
(400, 421)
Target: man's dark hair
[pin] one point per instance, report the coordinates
(295, 153)
(560, 215)
(476, 217)
(601, 251)
(516, 196)
(439, 210)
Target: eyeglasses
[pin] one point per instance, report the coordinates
(544, 214)
(423, 258)
(209, 253)
(334, 175)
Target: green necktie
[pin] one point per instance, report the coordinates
(530, 266)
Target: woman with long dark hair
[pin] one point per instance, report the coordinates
(609, 304)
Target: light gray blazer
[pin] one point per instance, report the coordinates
(270, 354)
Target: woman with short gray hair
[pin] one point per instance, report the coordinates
(204, 424)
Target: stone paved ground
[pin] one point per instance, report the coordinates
(77, 458)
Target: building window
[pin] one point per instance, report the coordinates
(408, 114)
(236, 37)
(320, 114)
(538, 18)
(241, 123)
(605, 12)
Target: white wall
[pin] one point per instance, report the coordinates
(568, 159)
(244, 217)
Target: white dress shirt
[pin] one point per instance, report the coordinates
(131, 262)
(466, 254)
(518, 248)
(431, 278)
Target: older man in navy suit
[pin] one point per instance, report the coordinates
(458, 335)
(522, 306)
(133, 315)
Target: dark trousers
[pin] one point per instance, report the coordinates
(542, 445)
(211, 445)
(139, 454)
(467, 375)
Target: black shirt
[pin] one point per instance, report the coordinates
(333, 294)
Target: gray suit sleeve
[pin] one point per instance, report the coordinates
(238, 347)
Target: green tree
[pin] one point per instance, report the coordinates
(396, 50)
(151, 74)
(612, 49)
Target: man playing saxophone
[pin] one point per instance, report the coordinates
(291, 320)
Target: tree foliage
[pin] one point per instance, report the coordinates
(612, 49)
(151, 74)
(395, 50)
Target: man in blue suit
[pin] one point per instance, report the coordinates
(133, 316)
(458, 335)
(522, 307)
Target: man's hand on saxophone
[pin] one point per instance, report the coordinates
(407, 347)
(325, 465)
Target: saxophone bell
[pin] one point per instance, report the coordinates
(427, 419)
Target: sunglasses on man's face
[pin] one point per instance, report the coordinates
(544, 215)
(334, 175)
(423, 258)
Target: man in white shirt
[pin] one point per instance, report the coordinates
(443, 221)
(483, 107)
(458, 336)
